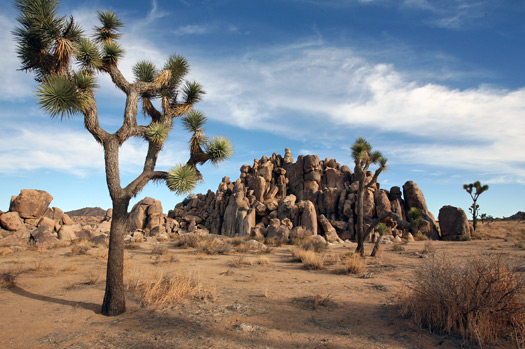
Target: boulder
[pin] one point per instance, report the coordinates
(17, 238)
(382, 203)
(329, 231)
(66, 220)
(307, 216)
(42, 236)
(11, 221)
(31, 203)
(69, 232)
(103, 228)
(47, 221)
(453, 223)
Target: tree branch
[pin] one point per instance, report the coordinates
(91, 122)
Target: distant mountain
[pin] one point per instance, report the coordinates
(87, 211)
(518, 216)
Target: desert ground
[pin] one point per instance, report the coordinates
(242, 299)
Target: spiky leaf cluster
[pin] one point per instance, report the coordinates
(194, 120)
(219, 149)
(45, 42)
(414, 216)
(58, 96)
(112, 52)
(157, 132)
(88, 54)
(145, 71)
(192, 92)
(109, 31)
(181, 179)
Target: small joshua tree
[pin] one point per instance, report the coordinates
(66, 65)
(475, 190)
(363, 158)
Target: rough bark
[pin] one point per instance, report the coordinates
(114, 298)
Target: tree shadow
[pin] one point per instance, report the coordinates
(96, 308)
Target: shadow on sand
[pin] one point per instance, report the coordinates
(96, 308)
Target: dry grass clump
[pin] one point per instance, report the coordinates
(80, 249)
(8, 278)
(189, 240)
(419, 236)
(397, 247)
(214, 246)
(482, 299)
(354, 264)
(159, 250)
(429, 248)
(309, 258)
(311, 245)
(4, 251)
(161, 291)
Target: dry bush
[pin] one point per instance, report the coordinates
(311, 245)
(189, 240)
(310, 259)
(159, 250)
(214, 246)
(275, 242)
(8, 278)
(419, 236)
(354, 264)
(482, 299)
(131, 246)
(164, 291)
(44, 268)
(429, 248)
(165, 259)
(398, 247)
(62, 243)
(80, 249)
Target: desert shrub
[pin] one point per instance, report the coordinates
(428, 248)
(78, 250)
(354, 264)
(398, 247)
(4, 251)
(131, 246)
(481, 300)
(311, 245)
(276, 242)
(164, 291)
(309, 258)
(189, 240)
(8, 279)
(419, 236)
(214, 246)
(159, 250)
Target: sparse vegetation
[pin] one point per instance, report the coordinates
(475, 190)
(162, 291)
(481, 300)
(354, 264)
(8, 278)
(79, 250)
(309, 258)
(311, 245)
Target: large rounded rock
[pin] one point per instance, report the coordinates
(307, 217)
(43, 236)
(453, 223)
(31, 203)
(11, 221)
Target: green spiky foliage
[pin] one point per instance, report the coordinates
(414, 216)
(364, 156)
(381, 229)
(109, 31)
(219, 149)
(157, 132)
(194, 121)
(88, 54)
(475, 190)
(58, 95)
(112, 52)
(45, 41)
(192, 92)
(182, 179)
(145, 71)
(179, 68)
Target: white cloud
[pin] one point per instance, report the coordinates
(318, 92)
(191, 29)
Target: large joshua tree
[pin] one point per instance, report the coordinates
(66, 64)
(364, 157)
(475, 190)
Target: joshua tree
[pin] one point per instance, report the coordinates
(66, 64)
(475, 189)
(363, 158)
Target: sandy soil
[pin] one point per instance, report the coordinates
(258, 301)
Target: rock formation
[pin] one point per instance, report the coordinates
(277, 197)
(453, 223)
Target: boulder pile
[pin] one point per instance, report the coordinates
(279, 198)
(30, 219)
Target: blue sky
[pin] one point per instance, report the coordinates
(437, 86)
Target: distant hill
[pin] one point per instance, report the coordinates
(518, 216)
(87, 211)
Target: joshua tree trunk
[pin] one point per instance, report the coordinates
(360, 220)
(114, 298)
